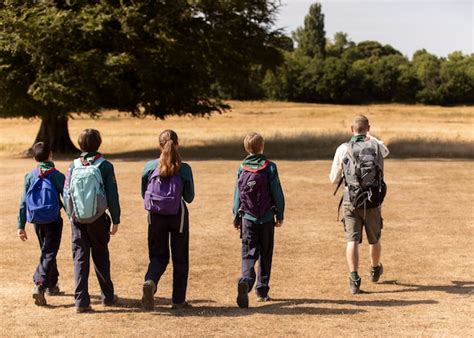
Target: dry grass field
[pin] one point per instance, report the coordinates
(427, 288)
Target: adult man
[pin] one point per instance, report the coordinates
(360, 164)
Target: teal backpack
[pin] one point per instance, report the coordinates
(85, 194)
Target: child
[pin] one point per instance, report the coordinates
(166, 184)
(258, 199)
(90, 189)
(41, 205)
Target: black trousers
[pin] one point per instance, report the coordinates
(49, 237)
(257, 245)
(86, 239)
(165, 231)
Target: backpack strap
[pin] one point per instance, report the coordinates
(98, 161)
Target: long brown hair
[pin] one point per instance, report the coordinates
(170, 160)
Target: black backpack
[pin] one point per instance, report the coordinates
(363, 174)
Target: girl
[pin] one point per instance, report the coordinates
(166, 184)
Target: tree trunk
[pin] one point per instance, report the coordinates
(54, 130)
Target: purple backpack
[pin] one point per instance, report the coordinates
(163, 194)
(254, 189)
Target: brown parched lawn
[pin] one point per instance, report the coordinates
(427, 288)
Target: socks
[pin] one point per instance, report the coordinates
(355, 276)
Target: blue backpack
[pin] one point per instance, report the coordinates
(42, 202)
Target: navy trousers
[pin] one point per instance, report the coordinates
(257, 245)
(165, 231)
(86, 239)
(49, 237)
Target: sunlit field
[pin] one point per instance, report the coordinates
(428, 284)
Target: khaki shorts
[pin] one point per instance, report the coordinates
(354, 221)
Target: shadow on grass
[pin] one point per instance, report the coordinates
(276, 307)
(457, 287)
(306, 146)
(433, 148)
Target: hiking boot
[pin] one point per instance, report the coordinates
(263, 299)
(178, 306)
(148, 299)
(110, 302)
(354, 285)
(38, 295)
(54, 291)
(375, 273)
(243, 295)
(83, 309)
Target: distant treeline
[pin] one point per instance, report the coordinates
(340, 71)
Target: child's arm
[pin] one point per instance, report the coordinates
(277, 194)
(22, 210)
(186, 174)
(236, 204)
(111, 192)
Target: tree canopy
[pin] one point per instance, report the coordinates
(339, 70)
(145, 57)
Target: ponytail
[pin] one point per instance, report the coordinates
(170, 160)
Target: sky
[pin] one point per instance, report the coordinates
(439, 26)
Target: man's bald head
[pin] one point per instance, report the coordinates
(360, 125)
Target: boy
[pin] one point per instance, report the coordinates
(90, 223)
(258, 200)
(363, 196)
(40, 204)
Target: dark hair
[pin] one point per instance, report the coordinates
(170, 161)
(41, 151)
(89, 140)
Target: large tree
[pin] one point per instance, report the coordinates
(311, 38)
(145, 57)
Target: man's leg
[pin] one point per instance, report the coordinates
(373, 228)
(353, 228)
(352, 255)
(375, 253)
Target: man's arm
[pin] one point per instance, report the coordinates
(336, 168)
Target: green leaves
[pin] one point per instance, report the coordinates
(145, 57)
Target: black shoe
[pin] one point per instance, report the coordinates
(263, 299)
(110, 302)
(83, 309)
(243, 295)
(38, 295)
(178, 306)
(375, 273)
(354, 285)
(148, 299)
(54, 291)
